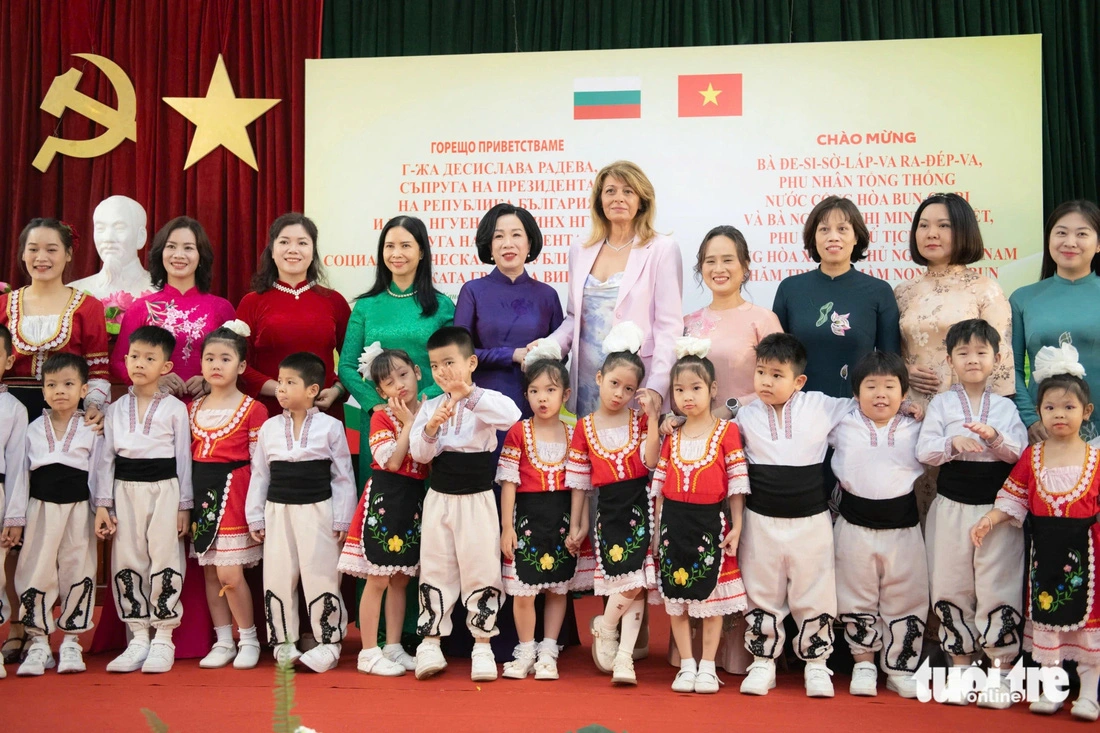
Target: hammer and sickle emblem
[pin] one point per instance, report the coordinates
(120, 124)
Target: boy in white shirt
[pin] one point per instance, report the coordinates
(460, 546)
(143, 498)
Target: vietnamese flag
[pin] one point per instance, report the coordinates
(710, 95)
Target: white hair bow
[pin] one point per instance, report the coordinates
(238, 327)
(1054, 360)
(691, 346)
(370, 353)
(543, 349)
(626, 336)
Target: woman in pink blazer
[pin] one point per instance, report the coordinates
(625, 271)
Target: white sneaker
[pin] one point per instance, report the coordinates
(287, 654)
(622, 669)
(397, 654)
(685, 681)
(903, 684)
(483, 667)
(761, 677)
(521, 665)
(546, 668)
(817, 678)
(605, 644)
(248, 654)
(162, 655)
(70, 659)
(131, 659)
(998, 698)
(221, 654)
(378, 664)
(3, 672)
(1085, 709)
(321, 658)
(1045, 706)
(706, 683)
(38, 660)
(864, 680)
(429, 660)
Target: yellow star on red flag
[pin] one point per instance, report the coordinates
(710, 95)
(220, 118)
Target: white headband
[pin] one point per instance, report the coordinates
(1054, 360)
(238, 327)
(691, 346)
(626, 336)
(370, 353)
(544, 349)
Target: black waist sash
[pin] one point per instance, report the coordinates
(897, 513)
(786, 491)
(300, 482)
(1060, 576)
(463, 473)
(59, 484)
(209, 479)
(972, 482)
(688, 574)
(144, 469)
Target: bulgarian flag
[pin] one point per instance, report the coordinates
(607, 98)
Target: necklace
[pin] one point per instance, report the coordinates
(620, 248)
(701, 434)
(392, 294)
(296, 292)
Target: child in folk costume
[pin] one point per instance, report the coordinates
(975, 437)
(13, 451)
(612, 452)
(383, 544)
(143, 498)
(699, 486)
(59, 548)
(1055, 487)
(460, 545)
(300, 500)
(225, 426)
(881, 575)
(786, 548)
(535, 511)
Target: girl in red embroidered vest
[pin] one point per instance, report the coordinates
(224, 428)
(1055, 486)
(699, 487)
(535, 515)
(383, 544)
(612, 452)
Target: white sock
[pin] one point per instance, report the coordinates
(392, 648)
(707, 666)
(632, 625)
(224, 634)
(687, 664)
(1090, 677)
(373, 652)
(549, 646)
(71, 639)
(141, 636)
(527, 645)
(432, 641)
(248, 634)
(483, 647)
(164, 636)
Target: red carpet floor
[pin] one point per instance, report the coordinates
(190, 700)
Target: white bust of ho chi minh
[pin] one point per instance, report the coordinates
(119, 232)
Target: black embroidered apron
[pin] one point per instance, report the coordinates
(210, 479)
(622, 526)
(686, 573)
(542, 524)
(972, 482)
(1060, 597)
(391, 520)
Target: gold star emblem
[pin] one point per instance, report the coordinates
(710, 95)
(220, 118)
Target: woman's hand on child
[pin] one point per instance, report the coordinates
(340, 535)
(963, 444)
(258, 535)
(518, 356)
(670, 422)
(508, 541)
(105, 524)
(195, 386)
(172, 384)
(924, 380)
(1036, 432)
(10, 536)
(730, 542)
(327, 398)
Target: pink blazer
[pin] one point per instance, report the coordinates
(651, 295)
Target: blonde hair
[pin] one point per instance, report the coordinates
(632, 176)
